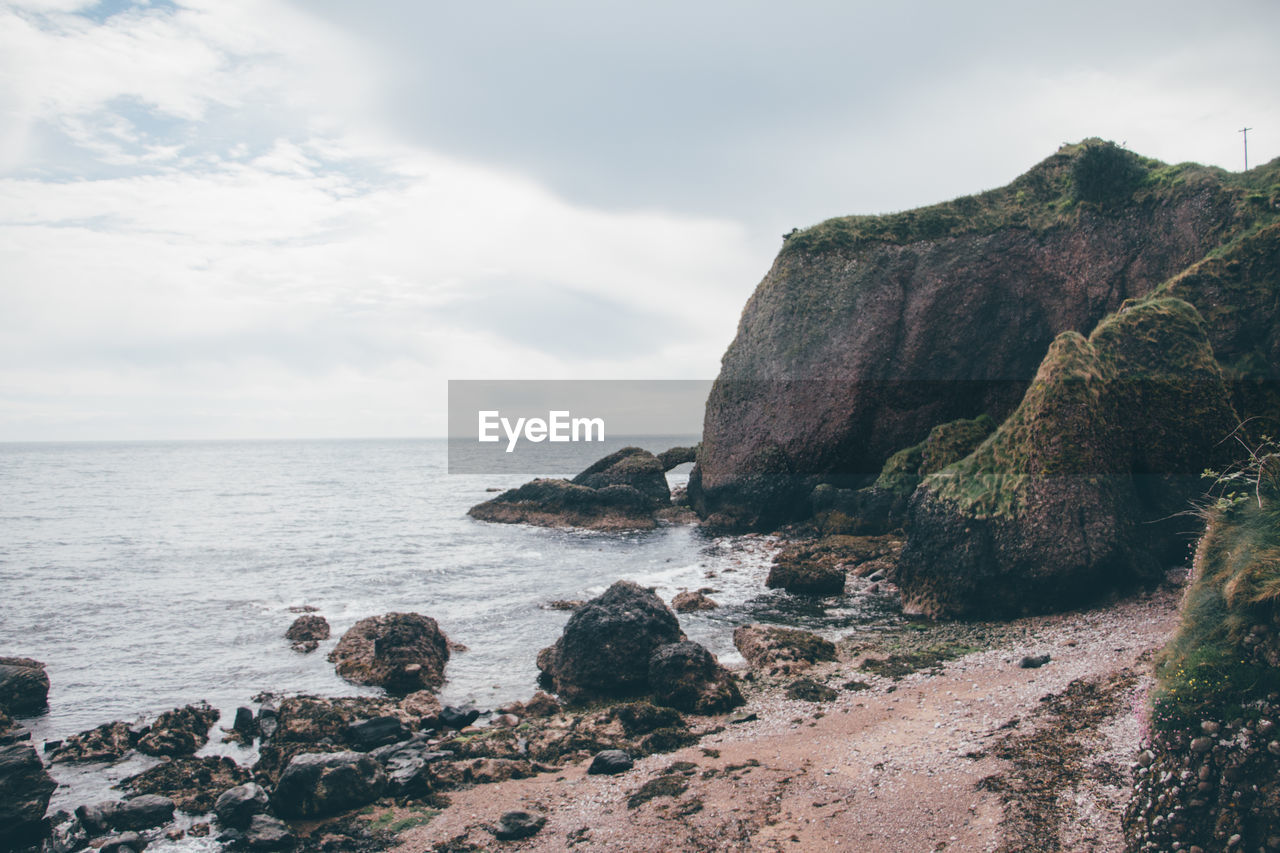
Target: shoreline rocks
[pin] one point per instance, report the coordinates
(781, 651)
(399, 652)
(24, 687)
(306, 632)
(627, 643)
(25, 791)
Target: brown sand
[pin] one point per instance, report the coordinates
(977, 757)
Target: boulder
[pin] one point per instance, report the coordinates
(457, 718)
(324, 784)
(610, 762)
(776, 650)
(138, 813)
(409, 766)
(265, 832)
(692, 602)
(179, 732)
(1077, 492)
(606, 645)
(25, 789)
(622, 491)
(380, 731)
(107, 742)
(806, 577)
(515, 825)
(687, 677)
(400, 652)
(307, 631)
(24, 687)
(124, 842)
(235, 807)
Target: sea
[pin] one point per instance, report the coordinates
(150, 575)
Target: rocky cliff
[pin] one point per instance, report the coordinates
(869, 331)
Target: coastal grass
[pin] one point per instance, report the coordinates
(1093, 174)
(397, 819)
(1209, 670)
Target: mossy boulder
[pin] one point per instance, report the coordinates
(882, 506)
(1071, 497)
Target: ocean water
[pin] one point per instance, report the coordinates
(154, 574)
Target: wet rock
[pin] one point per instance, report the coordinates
(125, 842)
(380, 731)
(606, 645)
(192, 783)
(24, 687)
(806, 578)
(307, 631)
(515, 825)
(107, 742)
(457, 718)
(622, 491)
(775, 650)
(400, 652)
(25, 790)
(235, 807)
(687, 677)
(692, 602)
(181, 731)
(245, 726)
(610, 762)
(265, 832)
(325, 784)
(144, 812)
(408, 766)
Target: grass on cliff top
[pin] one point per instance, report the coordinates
(1208, 671)
(1093, 173)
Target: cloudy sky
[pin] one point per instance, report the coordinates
(262, 218)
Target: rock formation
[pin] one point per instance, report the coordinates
(24, 687)
(1063, 502)
(622, 491)
(869, 331)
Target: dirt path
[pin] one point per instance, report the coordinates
(982, 756)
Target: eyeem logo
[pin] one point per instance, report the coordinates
(558, 426)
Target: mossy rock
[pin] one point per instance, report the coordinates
(1071, 496)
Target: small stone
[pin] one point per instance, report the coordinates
(738, 719)
(268, 833)
(609, 762)
(515, 825)
(506, 721)
(1146, 757)
(1033, 661)
(1203, 744)
(456, 718)
(1274, 747)
(1209, 727)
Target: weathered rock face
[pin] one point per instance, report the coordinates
(320, 785)
(179, 732)
(235, 807)
(24, 687)
(869, 331)
(606, 645)
(1062, 503)
(622, 491)
(400, 652)
(25, 789)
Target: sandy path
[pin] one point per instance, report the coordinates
(893, 768)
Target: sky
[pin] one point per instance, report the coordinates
(274, 219)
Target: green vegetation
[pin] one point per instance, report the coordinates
(397, 820)
(1093, 173)
(1150, 361)
(945, 444)
(900, 664)
(1217, 664)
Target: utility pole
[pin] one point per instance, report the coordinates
(1245, 131)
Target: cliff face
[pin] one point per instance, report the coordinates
(869, 331)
